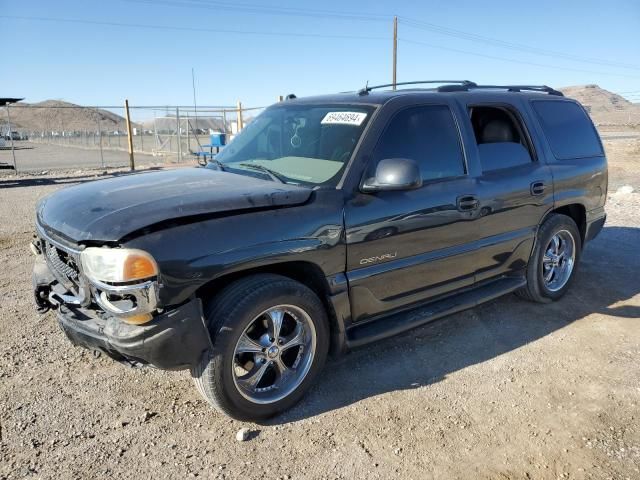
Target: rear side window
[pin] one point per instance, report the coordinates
(568, 129)
(429, 136)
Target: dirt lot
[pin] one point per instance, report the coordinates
(509, 390)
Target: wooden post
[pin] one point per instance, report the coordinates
(395, 49)
(240, 122)
(132, 163)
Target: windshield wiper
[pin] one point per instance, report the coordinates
(275, 176)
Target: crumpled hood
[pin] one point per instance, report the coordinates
(107, 210)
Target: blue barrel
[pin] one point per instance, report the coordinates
(218, 139)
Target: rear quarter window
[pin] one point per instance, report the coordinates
(568, 129)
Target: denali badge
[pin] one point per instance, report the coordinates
(378, 258)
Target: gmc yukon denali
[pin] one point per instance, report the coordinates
(327, 223)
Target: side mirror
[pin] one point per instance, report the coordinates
(394, 174)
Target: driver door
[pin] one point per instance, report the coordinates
(405, 247)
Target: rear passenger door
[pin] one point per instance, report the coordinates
(514, 186)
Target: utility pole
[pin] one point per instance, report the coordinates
(132, 163)
(395, 49)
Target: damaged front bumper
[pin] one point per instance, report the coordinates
(173, 340)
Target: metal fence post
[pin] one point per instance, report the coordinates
(13, 152)
(100, 140)
(178, 134)
(188, 136)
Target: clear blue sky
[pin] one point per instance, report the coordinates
(99, 64)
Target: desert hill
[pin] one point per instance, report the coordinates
(605, 107)
(56, 115)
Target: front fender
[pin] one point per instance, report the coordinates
(190, 256)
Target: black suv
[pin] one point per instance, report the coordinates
(327, 223)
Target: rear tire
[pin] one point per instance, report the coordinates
(270, 340)
(553, 261)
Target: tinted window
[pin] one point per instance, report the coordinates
(427, 135)
(568, 129)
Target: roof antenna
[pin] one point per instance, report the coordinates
(365, 90)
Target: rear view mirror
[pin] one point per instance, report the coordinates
(394, 174)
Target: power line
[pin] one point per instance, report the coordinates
(509, 45)
(303, 34)
(191, 29)
(264, 9)
(413, 23)
(512, 60)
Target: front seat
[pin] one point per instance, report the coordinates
(498, 131)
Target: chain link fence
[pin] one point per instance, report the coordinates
(56, 135)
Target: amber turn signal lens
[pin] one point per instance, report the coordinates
(137, 267)
(137, 319)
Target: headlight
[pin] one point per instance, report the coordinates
(116, 265)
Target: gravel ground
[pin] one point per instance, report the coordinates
(508, 390)
(39, 157)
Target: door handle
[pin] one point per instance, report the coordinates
(466, 203)
(537, 188)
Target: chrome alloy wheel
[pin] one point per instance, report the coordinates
(559, 260)
(274, 354)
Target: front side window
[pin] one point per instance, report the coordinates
(568, 129)
(300, 144)
(429, 136)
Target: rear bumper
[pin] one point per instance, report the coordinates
(595, 223)
(173, 340)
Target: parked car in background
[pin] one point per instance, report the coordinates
(327, 223)
(13, 135)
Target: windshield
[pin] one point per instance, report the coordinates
(299, 144)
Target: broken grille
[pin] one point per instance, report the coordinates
(63, 265)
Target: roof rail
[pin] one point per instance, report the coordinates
(509, 88)
(452, 83)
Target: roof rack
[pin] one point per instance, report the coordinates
(466, 85)
(452, 83)
(509, 88)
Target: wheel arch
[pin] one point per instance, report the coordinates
(577, 212)
(304, 272)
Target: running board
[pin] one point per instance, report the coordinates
(388, 326)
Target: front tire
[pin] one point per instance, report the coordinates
(554, 260)
(270, 340)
